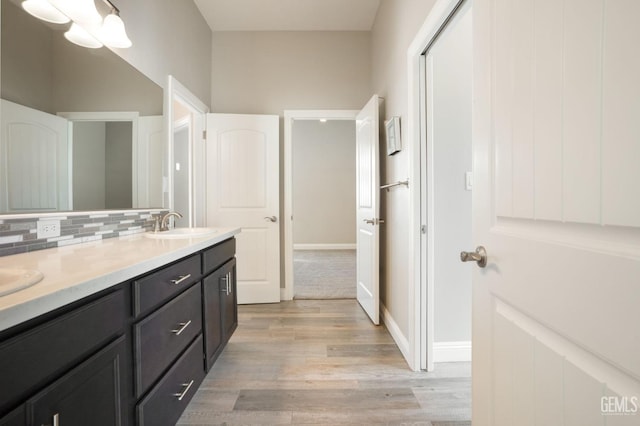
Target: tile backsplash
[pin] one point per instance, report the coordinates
(19, 234)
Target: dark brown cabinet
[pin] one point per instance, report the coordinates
(220, 307)
(168, 399)
(89, 394)
(163, 335)
(133, 354)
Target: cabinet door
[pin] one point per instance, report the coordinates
(91, 394)
(212, 299)
(229, 305)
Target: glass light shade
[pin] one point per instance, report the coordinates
(44, 10)
(113, 33)
(80, 11)
(81, 37)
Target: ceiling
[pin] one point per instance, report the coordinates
(289, 15)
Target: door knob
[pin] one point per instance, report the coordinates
(479, 256)
(272, 219)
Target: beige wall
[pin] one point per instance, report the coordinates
(89, 165)
(324, 176)
(396, 25)
(118, 169)
(169, 37)
(268, 72)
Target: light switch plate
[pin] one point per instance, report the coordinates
(468, 181)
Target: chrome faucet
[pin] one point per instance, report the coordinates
(165, 220)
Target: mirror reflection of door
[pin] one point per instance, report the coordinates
(181, 173)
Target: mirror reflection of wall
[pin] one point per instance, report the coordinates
(44, 72)
(182, 165)
(102, 165)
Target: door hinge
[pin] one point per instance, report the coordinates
(204, 135)
(423, 229)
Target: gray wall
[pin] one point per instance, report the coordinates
(118, 168)
(89, 165)
(451, 126)
(397, 23)
(324, 189)
(27, 72)
(169, 38)
(42, 70)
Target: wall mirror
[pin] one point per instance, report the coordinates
(80, 129)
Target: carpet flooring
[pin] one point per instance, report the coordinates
(324, 274)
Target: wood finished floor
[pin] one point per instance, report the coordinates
(321, 362)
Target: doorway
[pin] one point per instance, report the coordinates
(320, 249)
(185, 189)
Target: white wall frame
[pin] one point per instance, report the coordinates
(289, 117)
(175, 91)
(421, 311)
(109, 116)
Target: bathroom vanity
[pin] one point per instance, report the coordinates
(127, 341)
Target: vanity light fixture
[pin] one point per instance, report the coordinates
(44, 10)
(81, 37)
(88, 28)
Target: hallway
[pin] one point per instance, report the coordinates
(323, 362)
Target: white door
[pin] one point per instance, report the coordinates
(368, 209)
(243, 191)
(34, 160)
(556, 205)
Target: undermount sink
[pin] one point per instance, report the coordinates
(12, 280)
(178, 233)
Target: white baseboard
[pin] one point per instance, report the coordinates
(324, 246)
(396, 334)
(284, 295)
(451, 351)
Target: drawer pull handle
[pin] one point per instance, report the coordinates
(182, 325)
(182, 278)
(184, 392)
(227, 281)
(55, 421)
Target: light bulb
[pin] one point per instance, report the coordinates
(44, 10)
(113, 33)
(81, 37)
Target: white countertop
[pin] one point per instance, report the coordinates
(77, 271)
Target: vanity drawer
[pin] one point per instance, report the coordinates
(168, 399)
(218, 254)
(34, 358)
(163, 335)
(152, 290)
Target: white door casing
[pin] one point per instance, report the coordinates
(556, 146)
(368, 209)
(34, 150)
(243, 191)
